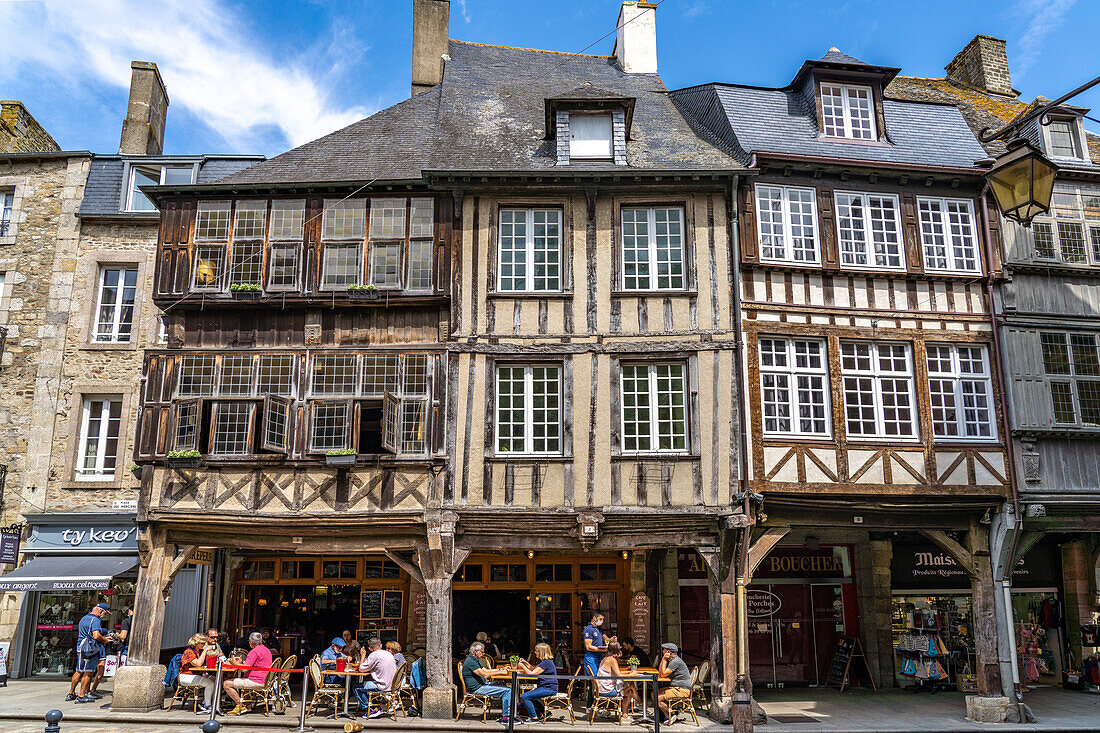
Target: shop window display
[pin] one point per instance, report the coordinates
(942, 626)
(57, 617)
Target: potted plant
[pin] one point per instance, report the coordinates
(246, 291)
(363, 292)
(342, 457)
(514, 660)
(184, 458)
(633, 662)
(136, 470)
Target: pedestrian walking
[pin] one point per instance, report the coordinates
(90, 652)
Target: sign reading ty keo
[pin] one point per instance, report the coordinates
(98, 538)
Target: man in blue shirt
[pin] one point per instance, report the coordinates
(328, 661)
(89, 651)
(595, 644)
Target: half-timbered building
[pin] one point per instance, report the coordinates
(872, 393)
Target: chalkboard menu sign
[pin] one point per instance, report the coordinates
(370, 605)
(840, 670)
(392, 604)
(386, 635)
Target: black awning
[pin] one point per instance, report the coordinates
(67, 572)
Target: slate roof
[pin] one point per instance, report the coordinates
(836, 56)
(104, 189)
(488, 115)
(749, 120)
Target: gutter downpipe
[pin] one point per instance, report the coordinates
(1006, 581)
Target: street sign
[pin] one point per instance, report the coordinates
(9, 547)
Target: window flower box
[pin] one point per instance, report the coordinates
(340, 458)
(363, 292)
(136, 470)
(246, 291)
(184, 458)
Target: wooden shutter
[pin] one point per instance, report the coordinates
(274, 406)
(910, 227)
(1029, 397)
(391, 422)
(826, 228)
(996, 244)
(746, 203)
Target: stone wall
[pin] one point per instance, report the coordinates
(20, 132)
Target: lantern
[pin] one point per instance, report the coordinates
(1022, 180)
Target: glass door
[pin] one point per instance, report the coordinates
(827, 601)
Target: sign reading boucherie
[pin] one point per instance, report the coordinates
(802, 562)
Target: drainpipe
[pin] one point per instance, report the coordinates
(1010, 454)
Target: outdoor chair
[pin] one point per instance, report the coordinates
(183, 692)
(390, 700)
(487, 662)
(471, 698)
(685, 704)
(698, 690)
(406, 691)
(613, 705)
(323, 694)
(282, 684)
(563, 700)
(266, 695)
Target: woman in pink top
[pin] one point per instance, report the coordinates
(260, 656)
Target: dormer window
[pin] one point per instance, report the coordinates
(847, 110)
(590, 136)
(1063, 138)
(154, 175)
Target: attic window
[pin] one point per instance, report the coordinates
(1063, 139)
(154, 175)
(590, 136)
(847, 111)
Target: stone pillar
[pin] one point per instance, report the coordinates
(876, 606)
(985, 629)
(139, 685)
(1078, 580)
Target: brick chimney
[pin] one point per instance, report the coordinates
(143, 128)
(430, 22)
(982, 64)
(636, 38)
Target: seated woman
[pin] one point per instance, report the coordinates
(354, 654)
(548, 684)
(199, 653)
(395, 649)
(607, 686)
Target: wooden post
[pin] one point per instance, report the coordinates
(145, 636)
(437, 564)
(725, 566)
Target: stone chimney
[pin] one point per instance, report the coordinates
(430, 22)
(982, 64)
(143, 128)
(636, 38)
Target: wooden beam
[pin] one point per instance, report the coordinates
(759, 550)
(960, 554)
(185, 554)
(406, 564)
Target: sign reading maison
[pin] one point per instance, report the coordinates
(923, 566)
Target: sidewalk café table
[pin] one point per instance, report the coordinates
(645, 676)
(348, 672)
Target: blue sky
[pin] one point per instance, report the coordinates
(248, 77)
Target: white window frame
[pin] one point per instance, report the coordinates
(592, 145)
(793, 373)
(877, 375)
(875, 251)
(1080, 144)
(652, 262)
(528, 424)
(956, 377)
(1073, 377)
(128, 204)
(847, 91)
(784, 197)
(951, 240)
(1058, 216)
(654, 420)
(529, 263)
(100, 472)
(113, 334)
(7, 205)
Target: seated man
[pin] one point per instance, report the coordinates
(675, 670)
(328, 661)
(260, 656)
(382, 667)
(476, 679)
(630, 650)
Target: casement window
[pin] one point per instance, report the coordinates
(529, 250)
(528, 411)
(197, 375)
(1070, 231)
(787, 224)
(878, 389)
(330, 426)
(187, 424)
(380, 375)
(590, 136)
(212, 221)
(387, 218)
(948, 235)
(869, 230)
(401, 250)
(288, 218)
(7, 201)
(154, 175)
(961, 391)
(1063, 138)
(285, 237)
(236, 375)
(1072, 364)
(419, 276)
(115, 309)
(209, 272)
(97, 453)
(793, 381)
(335, 375)
(385, 264)
(343, 219)
(276, 374)
(284, 266)
(340, 265)
(232, 427)
(246, 263)
(653, 249)
(276, 426)
(654, 408)
(848, 111)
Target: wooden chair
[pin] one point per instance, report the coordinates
(266, 695)
(487, 662)
(322, 693)
(563, 700)
(390, 700)
(195, 692)
(610, 704)
(698, 690)
(685, 704)
(471, 698)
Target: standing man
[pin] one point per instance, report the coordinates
(260, 656)
(89, 652)
(675, 670)
(595, 645)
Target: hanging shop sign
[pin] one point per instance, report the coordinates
(802, 562)
(9, 546)
(922, 565)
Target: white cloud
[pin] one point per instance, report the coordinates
(462, 9)
(1040, 19)
(697, 8)
(210, 63)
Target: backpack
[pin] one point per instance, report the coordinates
(171, 676)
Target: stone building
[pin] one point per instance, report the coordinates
(75, 417)
(21, 133)
(1048, 313)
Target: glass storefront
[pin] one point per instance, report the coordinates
(57, 615)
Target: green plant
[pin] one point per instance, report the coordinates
(365, 288)
(184, 454)
(341, 452)
(514, 659)
(245, 288)
(135, 467)
(633, 661)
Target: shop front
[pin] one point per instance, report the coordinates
(801, 603)
(932, 599)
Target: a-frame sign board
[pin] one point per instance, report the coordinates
(848, 650)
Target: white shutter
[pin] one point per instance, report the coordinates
(589, 136)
